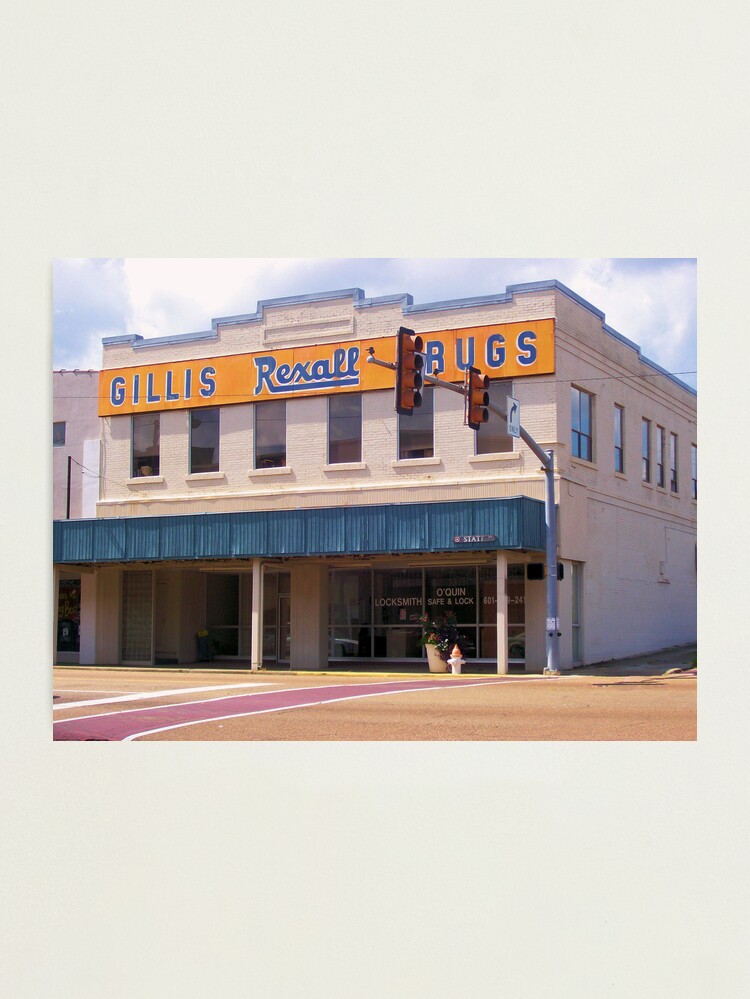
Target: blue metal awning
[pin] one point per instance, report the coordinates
(410, 528)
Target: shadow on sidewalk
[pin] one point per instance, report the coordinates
(680, 657)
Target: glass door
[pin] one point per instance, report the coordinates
(277, 618)
(228, 603)
(285, 627)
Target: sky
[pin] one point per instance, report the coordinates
(651, 301)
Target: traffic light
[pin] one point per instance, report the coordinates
(409, 363)
(477, 398)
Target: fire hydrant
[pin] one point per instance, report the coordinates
(455, 662)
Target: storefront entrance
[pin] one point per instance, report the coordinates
(276, 618)
(228, 607)
(68, 620)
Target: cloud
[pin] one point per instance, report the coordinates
(90, 301)
(651, 301)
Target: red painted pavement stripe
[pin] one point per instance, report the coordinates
(118, 725)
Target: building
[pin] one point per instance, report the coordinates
(75, 485)
(257, 484)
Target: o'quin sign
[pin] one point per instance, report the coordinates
(507, 350)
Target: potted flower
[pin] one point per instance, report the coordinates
(440, 635)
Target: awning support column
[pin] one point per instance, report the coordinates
(502, 612)
(256, 617)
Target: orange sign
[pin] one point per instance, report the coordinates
(508, 350)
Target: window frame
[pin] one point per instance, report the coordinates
(215, 466)
(498, 386)
(146, 459)
(661, 438)
(577, 433)
(333, 401)
(619, 432)
(694, 471)
(674, 486)
(646, 450)
(406, 423)
(270, 460)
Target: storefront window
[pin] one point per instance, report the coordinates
(487, 608)
(397, 643)
(397, 603)
(452, 590)
(68, 615)
(376, 613)
(350, 614)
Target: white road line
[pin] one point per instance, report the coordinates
(437, 685)
(156, 693)
(59, 693)
(292, 707)
(160, 707)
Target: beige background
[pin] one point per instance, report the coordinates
(405, 129)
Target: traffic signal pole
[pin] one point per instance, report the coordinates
(547, 459)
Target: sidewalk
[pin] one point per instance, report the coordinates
(680, 657)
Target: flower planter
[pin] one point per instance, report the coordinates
(435, 660)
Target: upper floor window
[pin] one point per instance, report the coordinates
(673, 462)
(58, 434)
(619, 431)
(415, 432)
(204, 440)
(582, 423)
(344, 428)
(694, 471)
(270, 434)
(145, 440)
(646, 449)
(492, 436)
(660, 453)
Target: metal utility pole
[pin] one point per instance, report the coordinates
(547, 459)
(67, 508)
